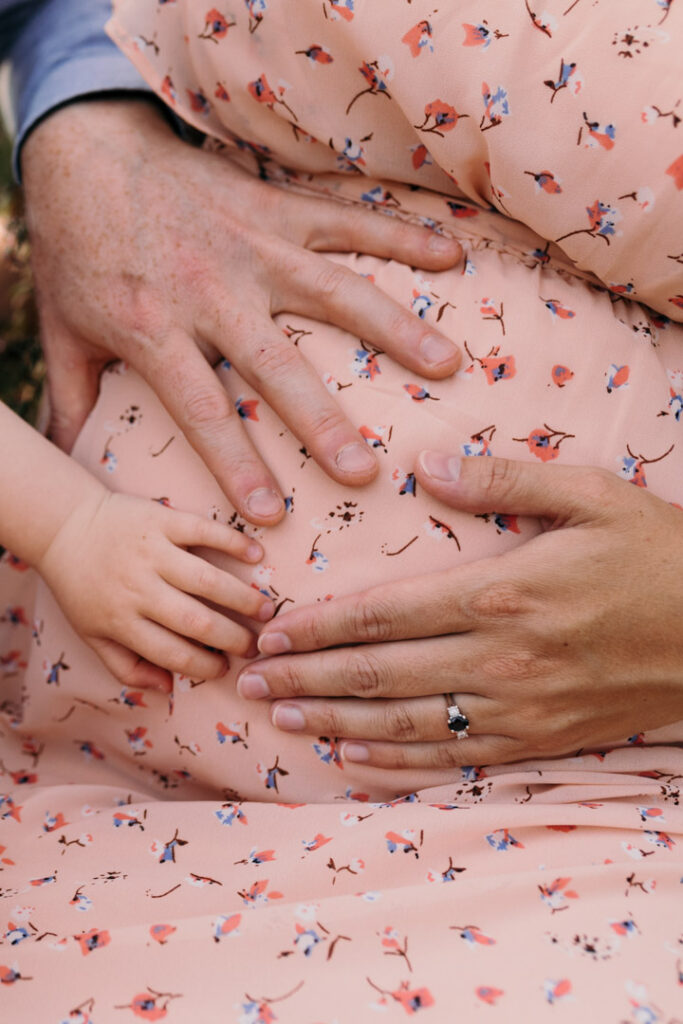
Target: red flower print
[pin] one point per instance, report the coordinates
(443, 116)
(342, 9)
(539, 442)
(198, 102)
(216, 26)
(488, 994)
(221, 92)
(411, 999)
(561, 375)
(494, 366)
(376, 76)
(161, 932)
(317, 54)
(168, 89)
(262, 93)
(149, 1005)
(676, 172)
(92, 940)
(420, 154)
(546, 180)
(481, 35)
(419, 38)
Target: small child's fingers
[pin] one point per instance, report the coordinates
(190, 618)
(130, 669)
(194, 575)
(164, 647)
(188, 530)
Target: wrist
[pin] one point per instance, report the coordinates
(116, 125)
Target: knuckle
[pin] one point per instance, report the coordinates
(197, 624)
(495, 476)
(273, 360)
(363, 675)
(327, 420)
(445, 755)
(191, 663)
(498, 600)
(205, 580)
(332, 723)
(595, 485)
(372, 620)
(515, 665)
(290, 682)
(205, 406)
(332, 282)
(398, 723)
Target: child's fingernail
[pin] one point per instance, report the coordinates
(289, 718)
(254, 552)
(436, 350)
(252, 687)
(274, 643)
(440, 244)
(355, 752)
(264, 503)
(440, 466)
(266, 611)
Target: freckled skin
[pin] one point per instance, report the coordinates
(148, 249)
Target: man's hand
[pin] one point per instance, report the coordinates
(148, 250)
(570, 641)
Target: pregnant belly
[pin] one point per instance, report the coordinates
(553, 370)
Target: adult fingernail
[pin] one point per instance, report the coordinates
(355, 752)
(289, 718)
(266, 611)
(252, 687)
(440, 244)
(355, 458)
(264, 503)
(440, 466)
(436, 349)
(274, 643)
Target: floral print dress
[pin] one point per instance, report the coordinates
(181, 860)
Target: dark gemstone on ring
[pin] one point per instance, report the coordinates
(459, 723)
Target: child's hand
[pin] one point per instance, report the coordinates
(120, 569)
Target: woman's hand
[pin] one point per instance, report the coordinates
(149, 250)
(122, 573)
(571, 641)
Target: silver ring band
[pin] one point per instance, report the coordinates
(458, 723)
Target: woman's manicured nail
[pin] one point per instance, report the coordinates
(264, 503)
(266, 611)
(252, 687)
(436, 350)
(355, 458)
(274, 643)
(355, 752)
(440, 244)
(440, 466)
(289, 718)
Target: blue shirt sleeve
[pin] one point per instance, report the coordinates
(58, 51)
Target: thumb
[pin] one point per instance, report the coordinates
(562, 495)
(73, 382)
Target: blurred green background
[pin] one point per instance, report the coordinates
(21, 363)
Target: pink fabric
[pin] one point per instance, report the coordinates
(186, 861)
